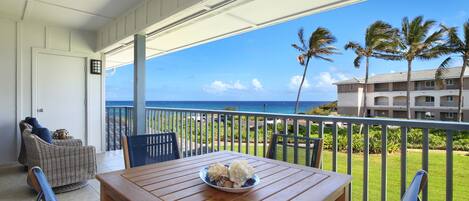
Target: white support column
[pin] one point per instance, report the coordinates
(139, 85)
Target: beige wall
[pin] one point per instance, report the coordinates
(348, 111)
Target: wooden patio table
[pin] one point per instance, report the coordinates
(179, 180)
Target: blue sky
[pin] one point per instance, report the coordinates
(261, 65)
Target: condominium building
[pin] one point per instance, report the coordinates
(386, 96)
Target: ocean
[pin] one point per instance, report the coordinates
(286, 107)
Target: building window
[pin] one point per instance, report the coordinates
(449, 98)
(449, 82)
(429, 83)
(429, 99)
(450, 115)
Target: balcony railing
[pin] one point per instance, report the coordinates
(423, 103)
(203, 131)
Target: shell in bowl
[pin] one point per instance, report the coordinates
(248, 185)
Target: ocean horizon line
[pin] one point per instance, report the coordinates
(287, 107)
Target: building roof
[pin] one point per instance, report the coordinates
(419, 75)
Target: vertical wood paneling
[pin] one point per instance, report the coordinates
(141, 16)
(153, 10)
(130, 23)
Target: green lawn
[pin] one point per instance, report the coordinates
(437, 170)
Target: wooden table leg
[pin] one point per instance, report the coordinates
(104, 193)
(344, 196)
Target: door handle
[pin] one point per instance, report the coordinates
(40, 110)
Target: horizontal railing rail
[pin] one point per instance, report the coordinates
(202, 131)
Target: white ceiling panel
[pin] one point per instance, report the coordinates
(12, 8)
(262, 11)
(108, 8)
(76, 14)
(68, 18)
(197, 31)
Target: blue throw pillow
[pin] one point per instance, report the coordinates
(43, 133)
(33, 122)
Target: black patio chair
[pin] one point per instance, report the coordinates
(286, 140)
(416, 186)
(150, 148)
(39, 182)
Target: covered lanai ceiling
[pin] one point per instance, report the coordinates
(205, 21)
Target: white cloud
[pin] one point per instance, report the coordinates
(342, 76)
(295, 82)
(325, 79)
(257, 84)
(238, 86)
(218, 86)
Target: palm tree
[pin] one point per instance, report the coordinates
(319, 46)
(379, 36)
(416, 42)
(459, 46)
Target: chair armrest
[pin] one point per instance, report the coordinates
(68, 142)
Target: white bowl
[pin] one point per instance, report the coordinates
(250, 184)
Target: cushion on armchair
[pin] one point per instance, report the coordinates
(33, 122)
(43, 133)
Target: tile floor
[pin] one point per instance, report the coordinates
(13, 185)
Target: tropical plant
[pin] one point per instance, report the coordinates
(379, 36)
(417, 42)
(459, 46)
(318, 46)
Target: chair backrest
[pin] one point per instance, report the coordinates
(311, 146)
(151, 148)
(40, 184)
(417, 184)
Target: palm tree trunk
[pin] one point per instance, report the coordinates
(297, 105)
(365, 88)
(409, 72)
(461, 87)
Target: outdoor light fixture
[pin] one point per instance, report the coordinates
(96, 67)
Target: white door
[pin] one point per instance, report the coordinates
(60, 93)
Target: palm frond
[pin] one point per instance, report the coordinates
(436, 36)
(453, 38)
(352, 45)
(323, 58)
(434, 52)
(441, 71)
(357, 61)
(302, 39)
(320, 38)
(385, 56)
(466, 35)
(298, 48)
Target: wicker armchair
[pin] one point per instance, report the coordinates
(23, 156)
(67, 164)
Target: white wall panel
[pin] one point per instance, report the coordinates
(58, 39)
(82, 41)
(8, 124)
